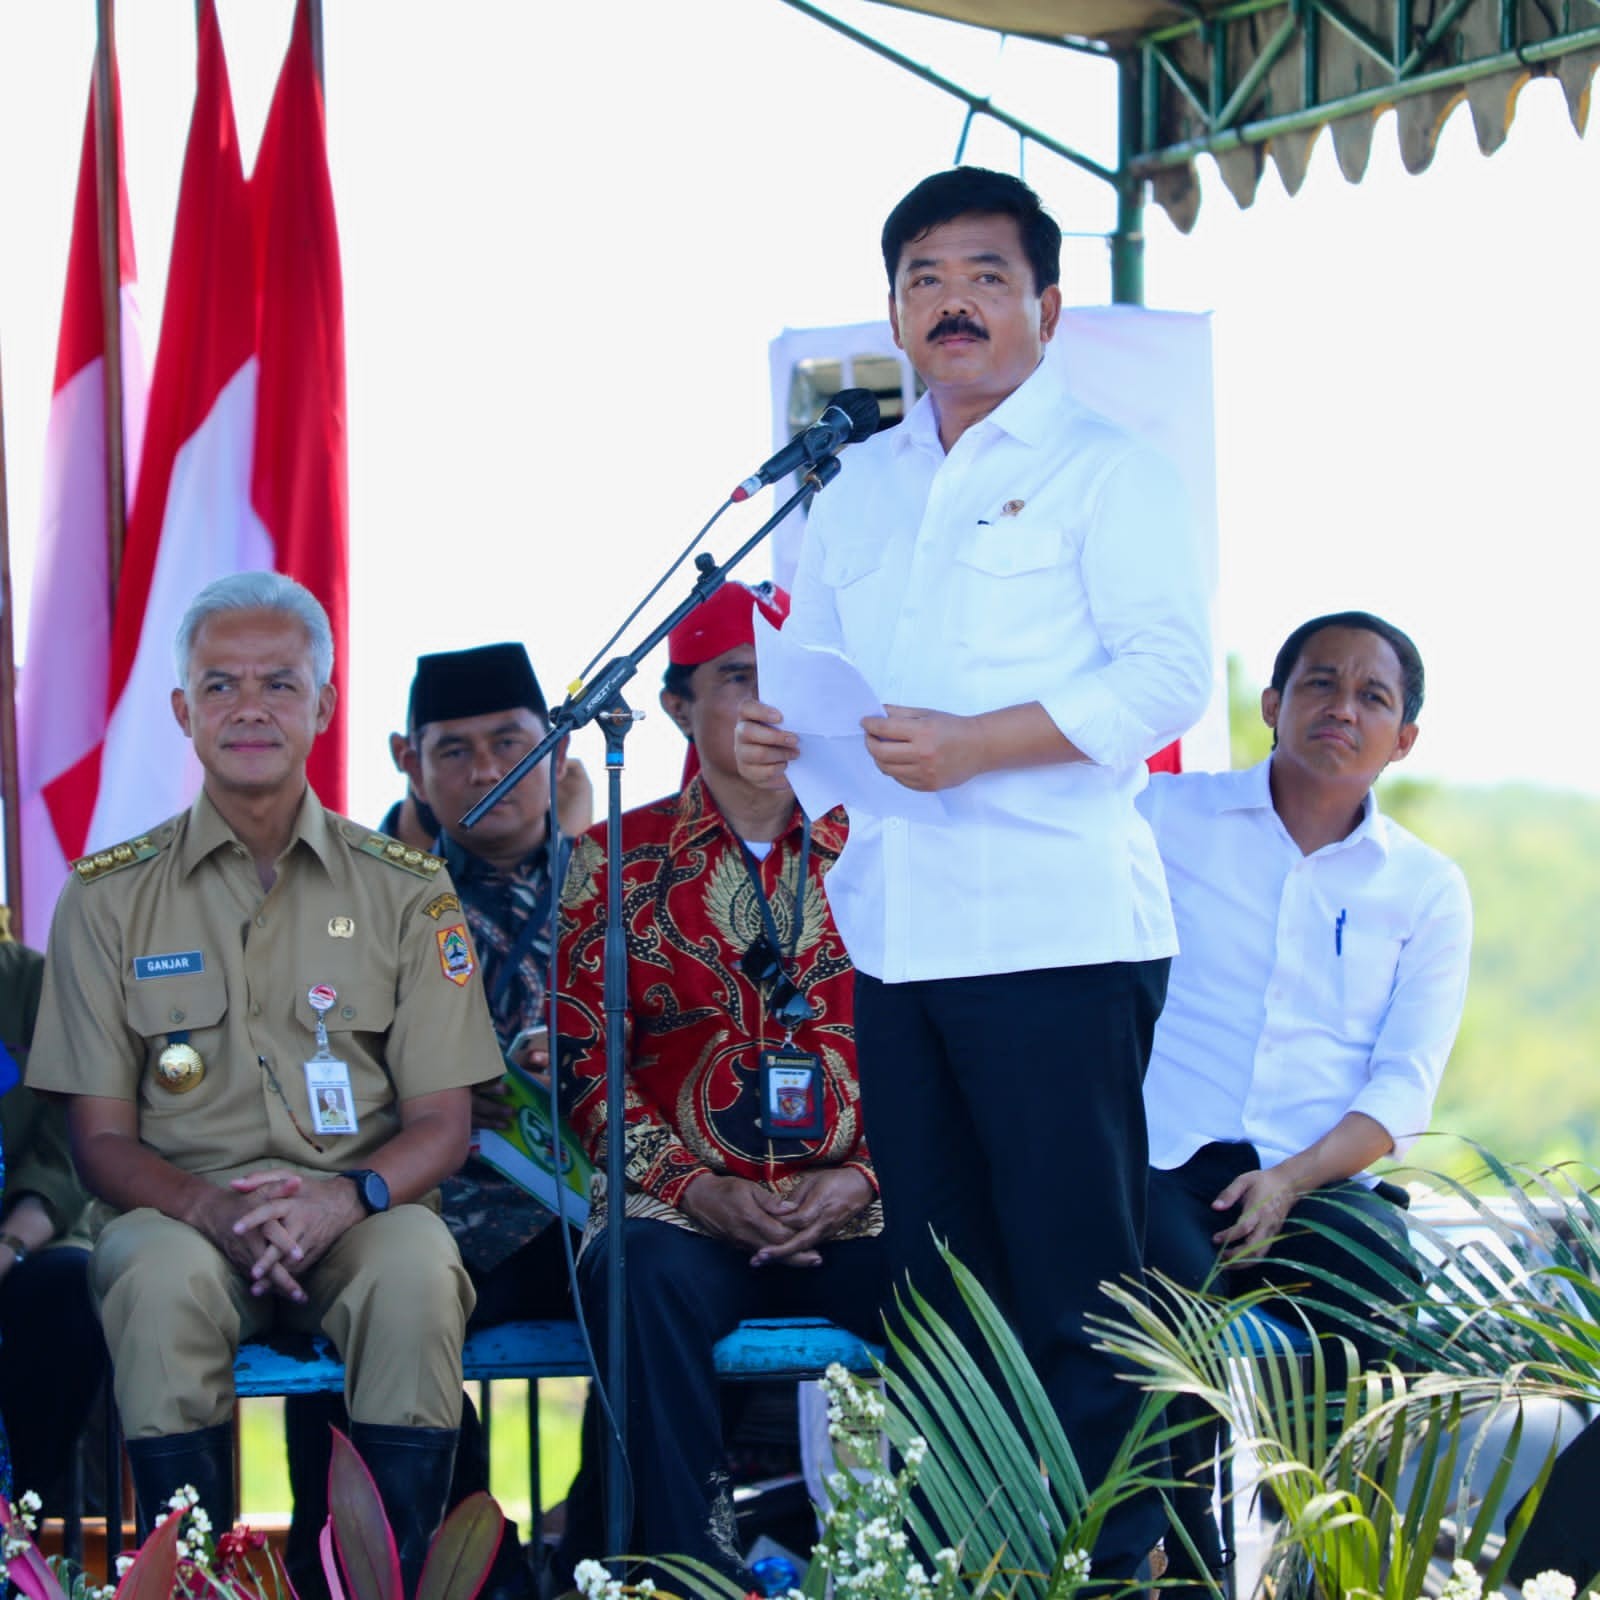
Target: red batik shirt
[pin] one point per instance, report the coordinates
(696, 1024)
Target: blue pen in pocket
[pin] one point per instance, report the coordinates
(1338, 933)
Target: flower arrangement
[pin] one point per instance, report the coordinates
(180, 1560)
(868, 1547)
(183, 1559)
(1465, 1584)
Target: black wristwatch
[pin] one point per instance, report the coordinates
(372, 1188)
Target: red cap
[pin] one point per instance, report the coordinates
(725, 622)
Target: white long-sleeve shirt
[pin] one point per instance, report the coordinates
(1308, 986)
(1046, 558)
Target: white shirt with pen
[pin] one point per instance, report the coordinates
(1046, 558)
(1307, 986)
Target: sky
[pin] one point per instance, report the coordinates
(569, 233)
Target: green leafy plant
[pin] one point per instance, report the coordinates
(1513, 1278)
(359, 1557)
(986, 1502)
(1365, 1479)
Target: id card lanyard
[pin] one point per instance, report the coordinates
(790, 1079)
(794, 1008)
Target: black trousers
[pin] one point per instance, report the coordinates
(684, 1292)
(1006, 1117)
(530, 1285)
(52, 1361)
(1179, 1246)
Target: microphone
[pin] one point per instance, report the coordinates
(852, 416)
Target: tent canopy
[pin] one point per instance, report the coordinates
(1241, 80)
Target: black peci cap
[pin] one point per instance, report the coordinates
(472, 683)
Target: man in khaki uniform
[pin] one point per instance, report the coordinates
(204, 984)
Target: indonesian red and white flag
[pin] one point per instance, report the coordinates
(245, 453)
(300, 484)
(61, 704)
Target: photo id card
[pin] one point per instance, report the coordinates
(791, 1094)
(333, 1106)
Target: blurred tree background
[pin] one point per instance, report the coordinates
(1522, 1078)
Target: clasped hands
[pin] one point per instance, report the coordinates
(276, 1225)
(926, 750)
(786, 1229)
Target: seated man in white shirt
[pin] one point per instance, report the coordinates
(1311, 1010)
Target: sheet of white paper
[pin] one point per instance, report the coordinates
(823, 699)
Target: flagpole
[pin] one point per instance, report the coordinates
(107, 169)
(315, 14)
(10, 788)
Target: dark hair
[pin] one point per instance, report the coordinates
(1409, 657)
(675, 680)
(963, 191)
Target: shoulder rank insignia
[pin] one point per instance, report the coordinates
(401, 855)
(115, 859)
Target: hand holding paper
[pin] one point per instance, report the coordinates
(824, 698)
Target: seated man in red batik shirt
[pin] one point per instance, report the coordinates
(750, 1191)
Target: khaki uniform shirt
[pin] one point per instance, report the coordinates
(173, 934)
(33, 1128)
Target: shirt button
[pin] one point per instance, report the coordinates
(255, 1009)
(176, 1014)
(261, 922)
(347, 1012)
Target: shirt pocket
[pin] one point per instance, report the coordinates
(193, 1002)
(854, 573)
(1007, 605)
(358, 1023)
(361, 1005)
(1011, 548)
(162, 1010)
(1368, 961)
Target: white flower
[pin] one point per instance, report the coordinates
(595, 1583)
(183, 1550)
(1463, 1582)
(1549, 1586)
(200, 1520)
(1076, 1565)
(123, 1563)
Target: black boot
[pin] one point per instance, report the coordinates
(308, 1444)
(202, 1459)
(411, 1467)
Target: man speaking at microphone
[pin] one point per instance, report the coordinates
(1015, 579)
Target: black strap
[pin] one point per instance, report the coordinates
(768, 924)
(532, 925)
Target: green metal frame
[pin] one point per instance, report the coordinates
(1229, 104)
(1414, 59)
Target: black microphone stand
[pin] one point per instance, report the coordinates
(601, 701)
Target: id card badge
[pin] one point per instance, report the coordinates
(333, 1105)
(791, 1094)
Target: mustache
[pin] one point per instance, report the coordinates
(952, 327)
